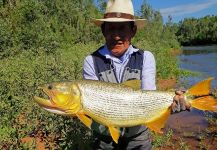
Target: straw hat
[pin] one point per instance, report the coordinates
(120, 11)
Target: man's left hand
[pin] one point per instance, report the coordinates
(179, 104)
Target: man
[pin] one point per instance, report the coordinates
(118, 61)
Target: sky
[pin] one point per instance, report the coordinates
(180, 9)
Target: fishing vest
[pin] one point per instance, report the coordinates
(105, 71)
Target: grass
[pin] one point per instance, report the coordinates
(203, 145)
(162, 140)
(183, 145)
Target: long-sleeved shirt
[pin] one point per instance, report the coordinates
(148, 68)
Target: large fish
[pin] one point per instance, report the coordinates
(119, 105)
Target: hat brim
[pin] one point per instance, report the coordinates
(140, 23)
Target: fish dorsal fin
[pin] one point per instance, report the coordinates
(85, 120)
(205, 103)
(158, 123)
(201, 88)
(115, 133)
(135, 84)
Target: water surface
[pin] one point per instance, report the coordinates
(201, 59)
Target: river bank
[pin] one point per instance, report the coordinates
(196, 129)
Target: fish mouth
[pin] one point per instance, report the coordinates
(52, 99)
(48, 104)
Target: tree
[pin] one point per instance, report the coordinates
(192, 31)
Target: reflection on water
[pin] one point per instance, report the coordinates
(202, 59)
(194, 52)
(213, 47)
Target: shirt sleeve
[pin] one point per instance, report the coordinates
(148, 72)
(88, 69)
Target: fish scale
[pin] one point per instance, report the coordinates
(118, 104)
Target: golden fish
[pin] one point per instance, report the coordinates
(119, 105)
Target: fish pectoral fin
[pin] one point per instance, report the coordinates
(115, 133)
(85, 120)
(201, 88)
(135, 84)
(205, 103)
(158, 123)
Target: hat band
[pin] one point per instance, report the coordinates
(118, 15)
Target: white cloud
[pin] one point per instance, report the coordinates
(187, 9)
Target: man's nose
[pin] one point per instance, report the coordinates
(116, 35)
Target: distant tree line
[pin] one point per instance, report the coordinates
(201, 31)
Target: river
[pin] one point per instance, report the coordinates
(192, 125)
(201, 59)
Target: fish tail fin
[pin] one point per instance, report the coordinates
(205, 103)
(201, 88)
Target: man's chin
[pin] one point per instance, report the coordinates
(117, 52)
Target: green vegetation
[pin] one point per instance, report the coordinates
(183, 145)
(204, 146)
(202, 31)
(45, 41)
(162, 140)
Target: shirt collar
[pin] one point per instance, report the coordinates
(105, 52)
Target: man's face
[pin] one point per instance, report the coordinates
(118, 36)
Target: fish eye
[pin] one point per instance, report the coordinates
(50, 87)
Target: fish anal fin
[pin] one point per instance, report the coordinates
(158, 123)
(205, 103)
(135, 84)
(115, 133)
(201, 88)
(85, 120)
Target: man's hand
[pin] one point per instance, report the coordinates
(179, 103)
